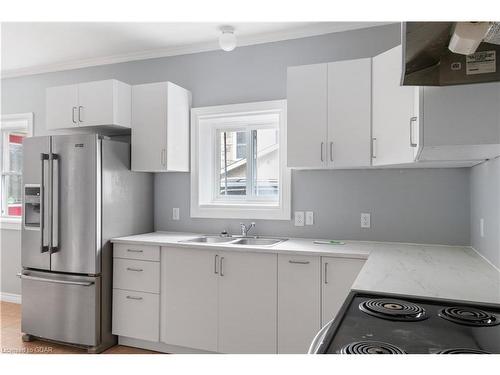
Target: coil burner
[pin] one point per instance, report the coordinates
(469, 316)
(371, 347)
(462, 351)
(393, 309)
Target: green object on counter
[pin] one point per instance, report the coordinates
(329, 242)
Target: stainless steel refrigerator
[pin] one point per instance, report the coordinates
(79, 192)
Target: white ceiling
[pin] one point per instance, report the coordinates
(36, 47)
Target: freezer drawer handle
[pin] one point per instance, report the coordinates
(134, 251)
(68, 282)
(134, 269)
(136, 298)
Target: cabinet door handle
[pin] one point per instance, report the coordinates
(135, 298)
(374, 143)
(299, 261)
(80, 114)
(326, 273)
(73, 115)
(134, 251)
(321, 153)
(134, 269)
(215, 265)
(331, 151)
(412, 120)
(221, 265)
(163, 157)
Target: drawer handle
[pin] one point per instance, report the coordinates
(134, 251)
(299, 261)
(134, 269)
(134, 298)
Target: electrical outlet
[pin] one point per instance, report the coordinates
(365, 220)
(481, 227)
(299, 218)
(309, 218)
(175, 213)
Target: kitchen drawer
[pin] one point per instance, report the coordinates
(136, 315)
(141, 252)
(139, 275)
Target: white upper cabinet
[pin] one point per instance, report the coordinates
(307, 116)
(160, 127)
(329, 115)
(349, 113)
(99, 103)
(62, 107)
(395, 112)
(431, 124)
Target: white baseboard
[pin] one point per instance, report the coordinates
(10, 297)
(158, 346)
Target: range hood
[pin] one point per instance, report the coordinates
(428, 59)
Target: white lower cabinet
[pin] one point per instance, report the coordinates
(219, 301)
(189, 298)
(230, 301)
(338, 275)
(136, 298)
(247, 302)
(136, 314)
(299, 302)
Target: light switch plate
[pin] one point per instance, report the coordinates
(365, 220)
(309, 218)
(481, 227)
(175, 213)
(299, 218)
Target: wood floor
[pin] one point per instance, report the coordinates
(11, 342)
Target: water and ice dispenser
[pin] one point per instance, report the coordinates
(32, 201)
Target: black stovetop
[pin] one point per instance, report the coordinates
(377, 324)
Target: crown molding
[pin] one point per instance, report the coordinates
(304, 32)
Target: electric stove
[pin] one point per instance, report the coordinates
(380, 324)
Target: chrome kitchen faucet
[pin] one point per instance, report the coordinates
(245, 229)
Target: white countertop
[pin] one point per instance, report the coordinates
(431, 271)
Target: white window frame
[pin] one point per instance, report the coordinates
(204, 202)
(19, 122)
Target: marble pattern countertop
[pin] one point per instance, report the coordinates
(430, 271)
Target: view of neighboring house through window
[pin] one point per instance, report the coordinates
(14, 128)
(249, 162)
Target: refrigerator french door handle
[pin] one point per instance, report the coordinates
(54, 203)
(43, 247)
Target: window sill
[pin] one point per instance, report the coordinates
(234, 211)
(10, 223)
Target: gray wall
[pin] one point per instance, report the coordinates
(429, 206)
(412, 205)
(10, 261)
(485, 204)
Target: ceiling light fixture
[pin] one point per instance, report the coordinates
(227, 39)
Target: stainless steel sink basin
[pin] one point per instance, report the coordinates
(258, 241)
(240, 241)
(209, 239)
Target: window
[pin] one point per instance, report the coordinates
(239, 161)
(13, 129)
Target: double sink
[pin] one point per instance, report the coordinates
(241, 241)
